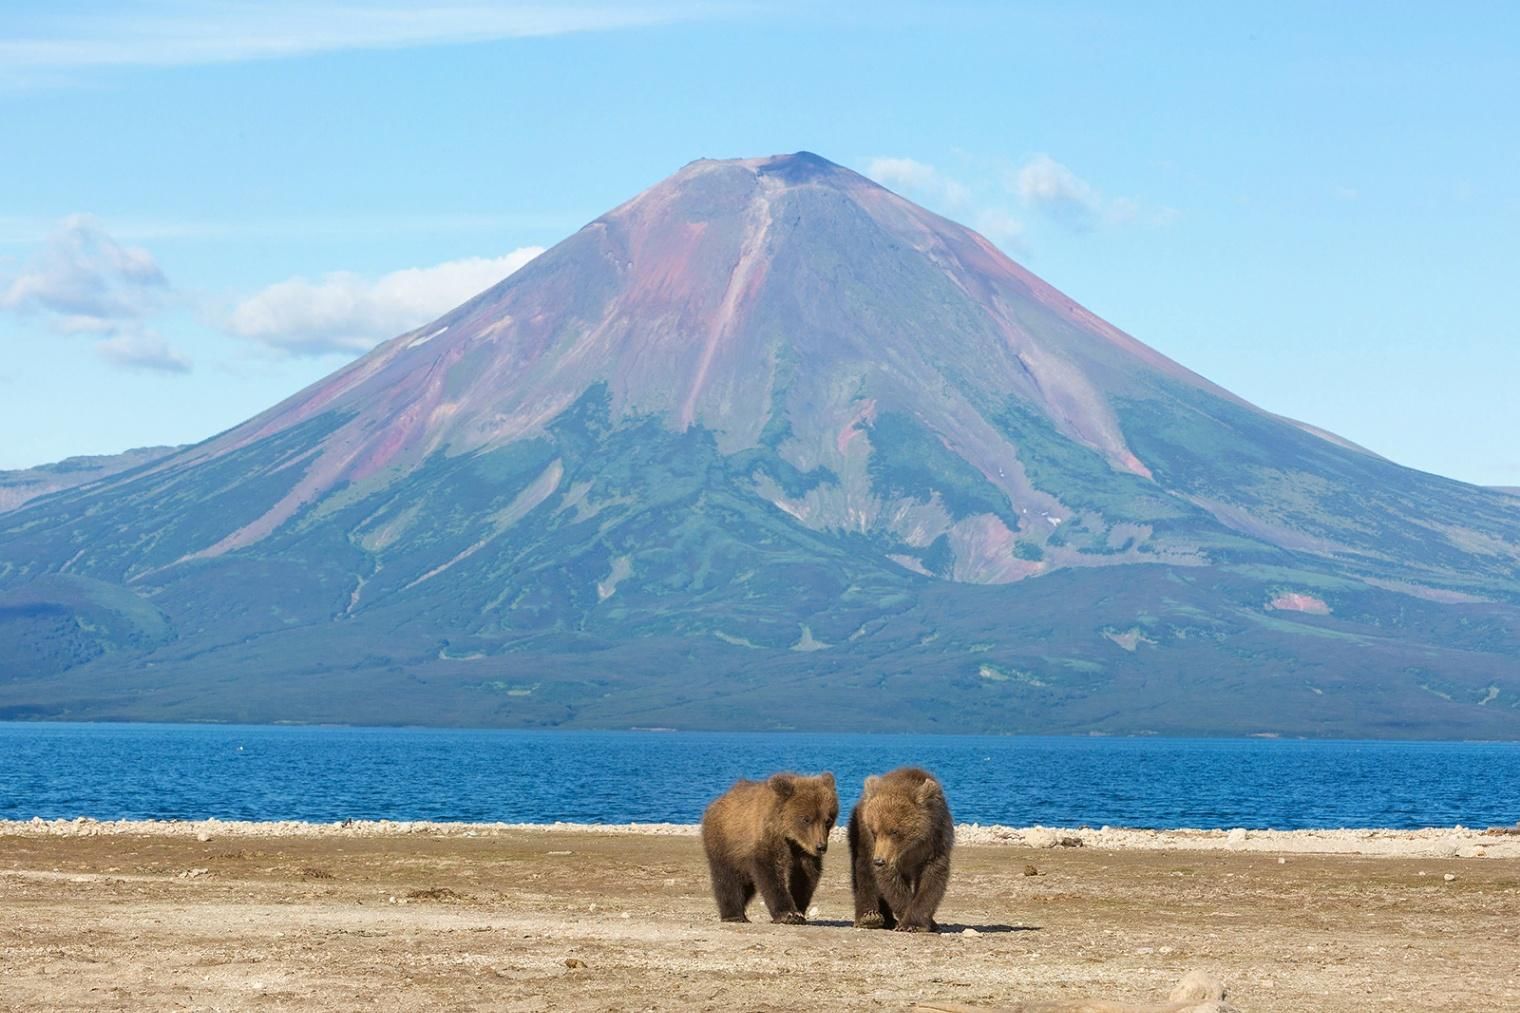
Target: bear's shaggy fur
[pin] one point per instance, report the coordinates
(900, 841)
(769, 836)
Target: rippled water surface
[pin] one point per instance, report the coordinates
(322, 774)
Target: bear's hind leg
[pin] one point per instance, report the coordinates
(732, 892)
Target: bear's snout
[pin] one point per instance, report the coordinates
(823, 847)
(880, 863)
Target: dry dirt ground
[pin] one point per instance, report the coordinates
(573, 920)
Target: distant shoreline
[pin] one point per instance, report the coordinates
(202, 724)
(1430, 842)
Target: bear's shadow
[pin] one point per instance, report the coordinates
(945, 929)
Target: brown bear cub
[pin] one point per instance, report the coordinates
(900, 840)
(769, 836)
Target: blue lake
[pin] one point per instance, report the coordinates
(115, 771)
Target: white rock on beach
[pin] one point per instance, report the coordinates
(1433, 842)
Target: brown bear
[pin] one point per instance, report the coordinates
(769, 836)
(900, 841)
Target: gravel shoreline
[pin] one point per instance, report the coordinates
(1430, 842)
(210, 914)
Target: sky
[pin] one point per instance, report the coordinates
(206, 206)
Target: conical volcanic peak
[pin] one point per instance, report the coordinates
(745, 297)
(796, 312)
(801, 167)
(770, 444)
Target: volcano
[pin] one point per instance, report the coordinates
(770, 446)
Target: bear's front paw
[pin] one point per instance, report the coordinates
(910, 927)
(873, 920)
(791, 918)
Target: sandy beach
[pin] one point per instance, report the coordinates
(395, 916)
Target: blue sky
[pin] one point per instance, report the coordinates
(206, 206)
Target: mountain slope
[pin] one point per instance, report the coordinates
(771, 446)
(17, 487)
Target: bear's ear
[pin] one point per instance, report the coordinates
(871, 784)
(930, 790)
(827, 778)
(781, 784)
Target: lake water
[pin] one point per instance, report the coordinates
(116, 771)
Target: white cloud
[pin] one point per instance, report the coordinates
(981, 194)
(919, 177)
(85, 280)
(900, 171)
(144, 351)
(999, 226)
(951, 196)
(345, 312)
(1044, 179)
(166, 33)
(1051, 186)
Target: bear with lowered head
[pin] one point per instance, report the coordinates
(900, 841)
(769, 836)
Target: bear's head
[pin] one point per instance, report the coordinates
(900, 820)
(809, 807)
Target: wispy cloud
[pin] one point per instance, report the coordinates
(982, 208)
(920, 177)
(84, 282)
(1047, 184)
(1001, 198)
(1000, 226)
(166, 33)
(344, 313)
(143, 350)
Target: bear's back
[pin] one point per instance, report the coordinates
(739, 817)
